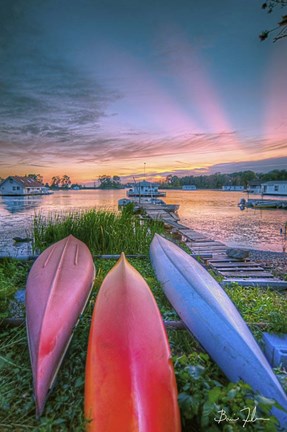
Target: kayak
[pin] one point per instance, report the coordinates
(58, 288)
(130, 384)
(213, 319)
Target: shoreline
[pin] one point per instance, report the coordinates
(276, 262)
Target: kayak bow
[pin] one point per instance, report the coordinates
(57, 291)
(213, 319)
(130, 383)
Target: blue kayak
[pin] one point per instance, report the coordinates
(213, 319)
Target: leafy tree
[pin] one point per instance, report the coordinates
(56, 180)
(108, 182)
(217, 180)
(105, 182)
(36, 177)
(116, 181)
(168, 179)
(65, 181)
(247, 177)
(281, 28)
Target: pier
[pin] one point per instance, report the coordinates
(214, 254)
(262, 204)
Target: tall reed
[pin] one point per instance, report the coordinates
(104, 232)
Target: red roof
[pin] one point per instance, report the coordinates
(26, 181)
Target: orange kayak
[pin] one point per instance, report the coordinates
(130, 382)
(57, 291)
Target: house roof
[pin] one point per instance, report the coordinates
(275, 182)
(25, 181)
(146, 183)
(255, 183)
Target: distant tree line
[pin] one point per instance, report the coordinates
(217, 180)
(213, 181)
(108, 182)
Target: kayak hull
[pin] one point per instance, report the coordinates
(213, 319)
(130, 383)
(57, 291)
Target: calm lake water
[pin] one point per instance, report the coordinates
(212, 212)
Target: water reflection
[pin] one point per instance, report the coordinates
(214, 213)
(21, 203)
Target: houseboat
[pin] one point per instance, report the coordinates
(145, 189)
(22, 186)
(188, 187)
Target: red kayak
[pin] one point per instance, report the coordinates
(130, 383)
(57, 291)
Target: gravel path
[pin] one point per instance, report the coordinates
(276, 262)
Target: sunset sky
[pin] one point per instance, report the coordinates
(105, 87)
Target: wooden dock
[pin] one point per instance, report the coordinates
(213, 253)
(264, 204)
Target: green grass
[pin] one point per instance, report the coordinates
(261, 308)
(197, 375)
(203, 389)
(103, 232)
(12, 277)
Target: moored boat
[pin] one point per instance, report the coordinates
(130, 383)
(147, 203)
(213, 319)
(57, 291)
(145, 189)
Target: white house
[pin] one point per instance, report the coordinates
(274, 187)
(254, 187)
(188, 187)
(233, 188)
(16, 185)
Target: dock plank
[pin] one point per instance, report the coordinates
(238, 269)
(234, 264)
(210, 247)
(225, 259)
(246, 274)
(213, 252)
(263, 283)
(205, 243)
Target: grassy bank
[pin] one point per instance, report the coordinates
(103, 232)
(203, 389)
(12, 278)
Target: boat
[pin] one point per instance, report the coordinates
(213, 319)
(58, 288)
(263, 204)
(130, 383)
(146, 203)
(144, 200)
(145, 189)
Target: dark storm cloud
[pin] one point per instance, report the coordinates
(44, 95)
